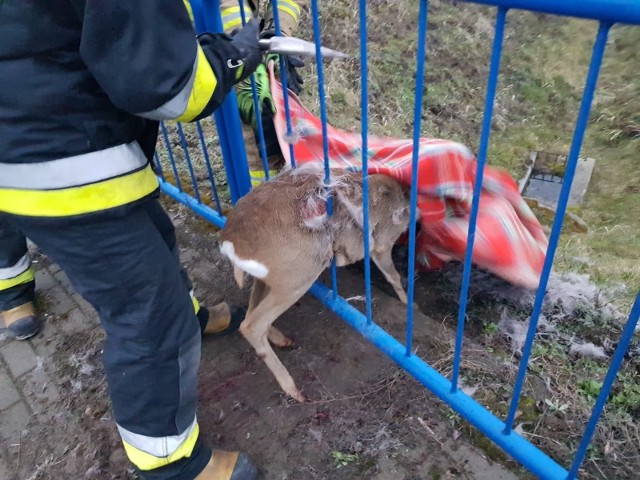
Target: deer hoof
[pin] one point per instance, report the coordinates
(298, 396)
(284, 342)
(280, 341)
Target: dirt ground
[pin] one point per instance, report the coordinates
(364, 417)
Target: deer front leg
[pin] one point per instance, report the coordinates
(384, 262)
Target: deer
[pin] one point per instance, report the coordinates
(282, 234)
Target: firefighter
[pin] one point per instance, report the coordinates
(84, 84)
(289, 15)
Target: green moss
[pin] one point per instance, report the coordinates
(435, 473)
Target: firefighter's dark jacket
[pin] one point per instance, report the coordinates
(83, 85)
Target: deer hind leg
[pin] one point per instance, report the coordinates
(257, 325)
(384, 262)
(275, 336)
(258, 292)
(279, 339)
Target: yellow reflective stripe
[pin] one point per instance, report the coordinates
(231, 18)
(291, 4)
(98, 196)
(204, 85)
(258, 176)
(196, 304)
(228, 26)
(229, 10)
(285, 9)
(24, 277)
(146, 461)
(189, 9)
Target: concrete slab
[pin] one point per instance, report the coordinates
(547, 190)
(20, 357)
(584, 171)
(8, 393)
(14, 420)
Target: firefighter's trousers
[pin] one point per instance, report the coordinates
(16, 275)
(125, 263)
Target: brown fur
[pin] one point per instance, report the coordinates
(271, 226)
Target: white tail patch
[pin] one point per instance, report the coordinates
(252, 267)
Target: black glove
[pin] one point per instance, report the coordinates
(246, 41)
(232, 58)
(292, 63)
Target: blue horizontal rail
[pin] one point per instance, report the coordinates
(611, 11)
(515, 445)
(201, 209)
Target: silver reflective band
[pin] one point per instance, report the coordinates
(11, 272)
(178, 104)
(157, 446)
(230, 17)
(73, 171)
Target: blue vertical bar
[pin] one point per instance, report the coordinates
(257, 109)
(158, 165)
(572, 161)
(417, 127)
(283, 78)
(323, 118)
(616, 362)
(364, 105)
(492, 84)
(234, 156)
(183, 143)
(207, 162)
(172, 160)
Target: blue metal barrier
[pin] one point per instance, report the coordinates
(235, 164)
(172, 183)
(364, 103)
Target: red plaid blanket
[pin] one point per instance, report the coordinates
(509, 240)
